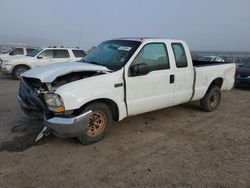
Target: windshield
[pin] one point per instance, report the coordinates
(34, 52)
(112, 54)
(246, 65)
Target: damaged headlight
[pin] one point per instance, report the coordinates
(54, 102)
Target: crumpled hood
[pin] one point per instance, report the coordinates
(49, 73)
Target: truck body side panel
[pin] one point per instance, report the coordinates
(205, 75)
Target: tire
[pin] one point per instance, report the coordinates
(211, 100)
(100, 123)
(17, 71)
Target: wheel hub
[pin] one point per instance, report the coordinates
(214, 100)
(98, 122)
(20, 72)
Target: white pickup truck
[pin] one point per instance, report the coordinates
(120, 78)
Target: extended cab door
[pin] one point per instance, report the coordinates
(183, 73)
(153, 88)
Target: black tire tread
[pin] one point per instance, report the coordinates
(205, 103)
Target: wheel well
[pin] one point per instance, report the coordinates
(21, 65)
(217, 82)
(110, 103)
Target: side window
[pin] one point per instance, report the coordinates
(61, 54)
(78, 53)
(29, 50)
(154, 55)
(180, 55)
(17, 51)
(46, 54)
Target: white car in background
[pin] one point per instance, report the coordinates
(212, 59)
(16, 52)
(40, 57)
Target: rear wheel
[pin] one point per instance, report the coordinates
(18, 71)
(99, 125)
(211, 100)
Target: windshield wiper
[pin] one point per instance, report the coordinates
(95, 63)
(89, 62)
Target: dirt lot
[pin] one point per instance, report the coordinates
(180, 147)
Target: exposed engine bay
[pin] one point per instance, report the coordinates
(40, 87)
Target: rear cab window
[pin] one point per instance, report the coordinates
(79, 53)
(180, 55)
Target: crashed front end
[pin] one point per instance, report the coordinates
(39, 100)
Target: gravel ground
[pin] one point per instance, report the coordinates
(180, 146)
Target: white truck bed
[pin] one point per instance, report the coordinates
(204, 75)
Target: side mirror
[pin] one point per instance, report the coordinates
(139, 69)
(39, 57)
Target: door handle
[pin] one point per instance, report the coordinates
(171, 80)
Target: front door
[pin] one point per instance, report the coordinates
(154, 90)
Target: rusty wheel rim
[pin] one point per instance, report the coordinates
(97, 124)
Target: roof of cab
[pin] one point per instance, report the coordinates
(143, 39)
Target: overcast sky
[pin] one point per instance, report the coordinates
(204, 24)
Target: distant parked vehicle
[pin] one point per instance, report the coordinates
(242, 76)
(39, 57)
(15, 53)
(212, 59)
(5, 50)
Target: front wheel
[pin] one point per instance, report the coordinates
(211, 100)
(99, 125)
